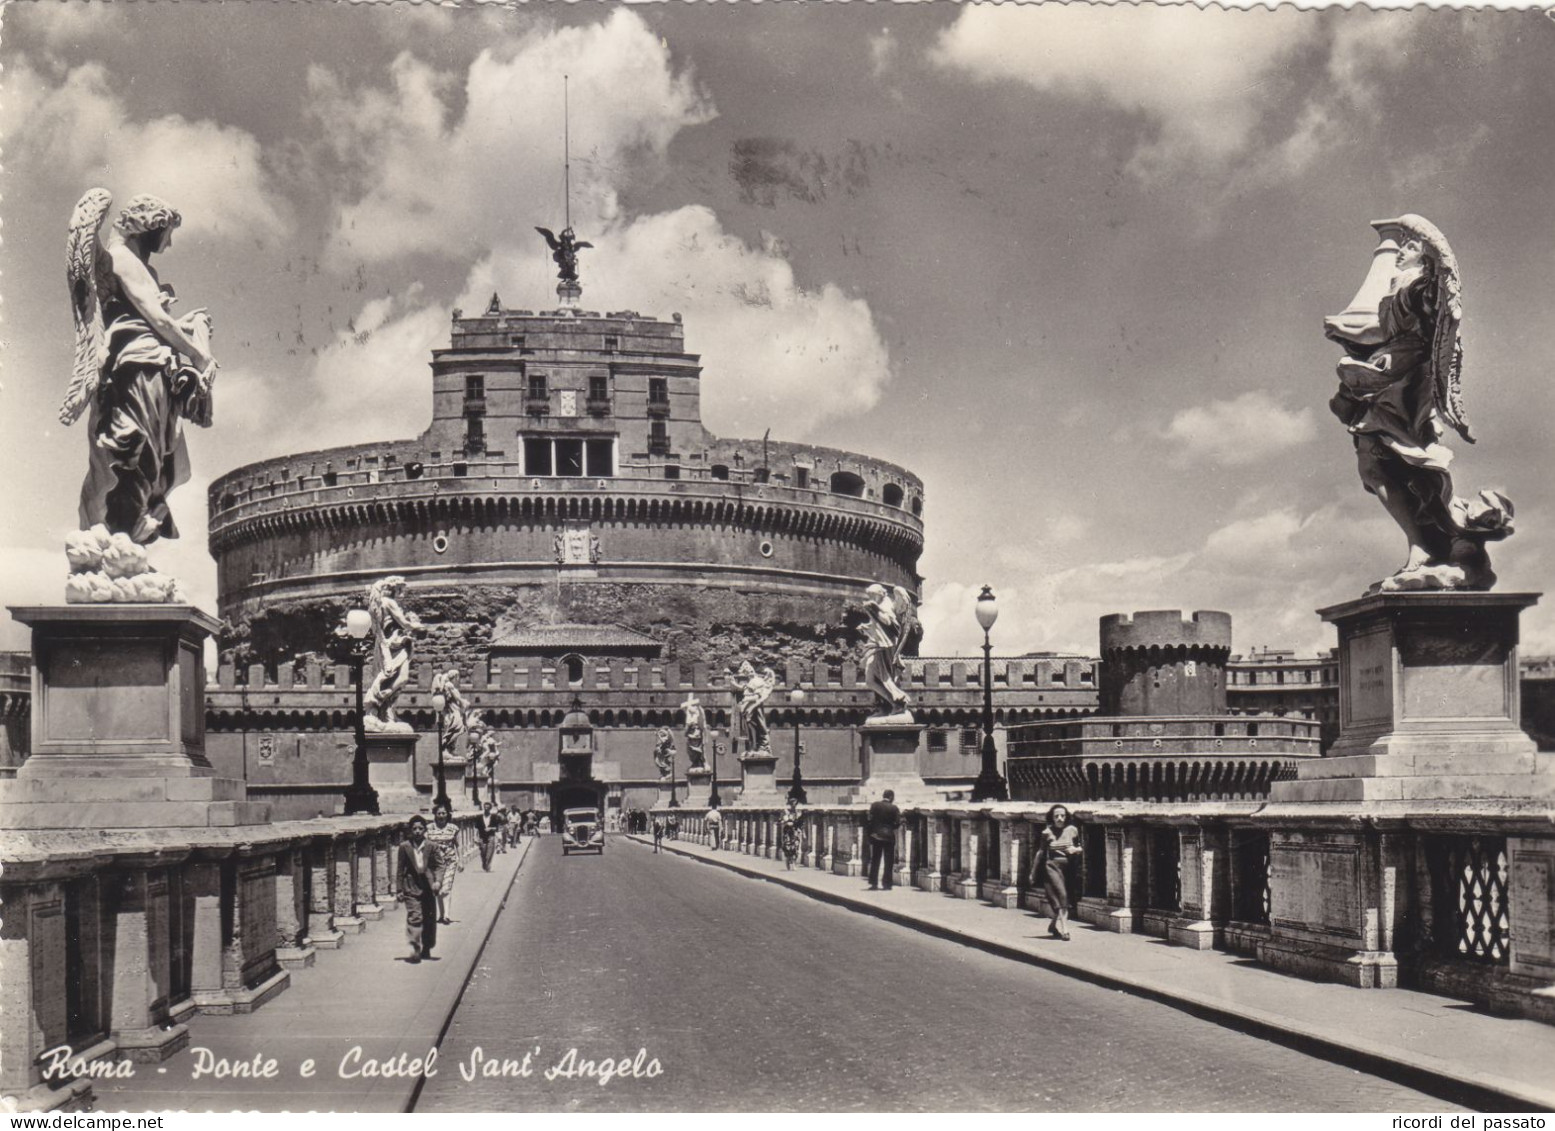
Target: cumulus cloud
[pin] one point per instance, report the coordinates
(498, 159)
(882, 52)
(777, 351)
(76, 131)
(1196, 75)
(1239, 431)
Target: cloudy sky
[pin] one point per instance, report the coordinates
(1067, 263)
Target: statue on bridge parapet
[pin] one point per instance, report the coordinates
(888, 625)
(139, 373)
(696, 732)
(1400, 389)
(393, 631)
(754, 688)
(446, 684)
(664, 753)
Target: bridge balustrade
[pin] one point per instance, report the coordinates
(1454, 911)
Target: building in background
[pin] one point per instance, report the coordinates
(1276, 681)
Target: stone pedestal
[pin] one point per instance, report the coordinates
(699, 787)
(391, 770)
(892, 756)
(758, 780)
(1428, 704)
(666, 798)
(118, 724)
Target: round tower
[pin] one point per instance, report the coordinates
(1159, 663)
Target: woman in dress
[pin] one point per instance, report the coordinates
(443, 837)
(1060, 845)
(792, 830)
(417, 891)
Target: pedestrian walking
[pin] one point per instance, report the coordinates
(672, 827)
(715, 828)
(658, 834)
(792, 833)
(487, 831)
(500, 817)
(417, 891)
(443, 858)
(880, 835)
(1060, 845)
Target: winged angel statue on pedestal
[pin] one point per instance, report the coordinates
(889, 625)
(1400, 390)
(138, 374)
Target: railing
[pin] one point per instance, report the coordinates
(1320, 897)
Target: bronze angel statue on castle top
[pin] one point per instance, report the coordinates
(139, 372)
(1400, 391)
(564, 250)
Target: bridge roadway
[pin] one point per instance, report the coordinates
(750, 996)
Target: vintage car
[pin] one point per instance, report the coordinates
(583, 831)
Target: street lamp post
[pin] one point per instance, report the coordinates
(360, 797)
(990, 785)
(796, 791)
(439, 703)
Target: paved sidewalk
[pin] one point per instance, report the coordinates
(1438, 1045)
(363, 995)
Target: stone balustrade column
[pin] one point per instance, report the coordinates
(902, 875)
(32, 953)
(347, 920)
(383, 882)
(966, 880)
(140, 1020)
(1204, 860)
(829, 832)
(932, 877)
(203, 883)
(856, 861)
(322, 933)
(367, 906)
(290, 909)
(250, 975)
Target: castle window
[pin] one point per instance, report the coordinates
(573, 665)
(600, 458)
(461, 469)
(658, 390)
(612, 342)
(917, 506)
(569, 457)
(892, 495)
(718, 471)
(538, 389)
(599, 388)
(658, 438)
(801, 477)
(517, 341)
(413, 470)
(672, 472)
(762, 474)
(474, 387)
(971, 739)
(537, 457)
(846, 483)
(938, 743)
(475, 434)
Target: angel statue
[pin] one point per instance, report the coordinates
(754, 688)
(446, 684)
(696, 733)
(1399, 391)
(888, 627)
(138, 372)
(565, 251)
(664, 753)
(393, 628)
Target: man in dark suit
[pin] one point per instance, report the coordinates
(880, 833)
(488, 830)
(417, 891)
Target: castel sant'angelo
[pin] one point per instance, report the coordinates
(566, 500)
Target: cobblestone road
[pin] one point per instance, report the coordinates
(750, 996)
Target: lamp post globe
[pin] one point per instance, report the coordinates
(796, 792)
(360, 795)
(990, 784)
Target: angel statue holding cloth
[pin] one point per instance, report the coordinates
(1400, 391)
(138, 373)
